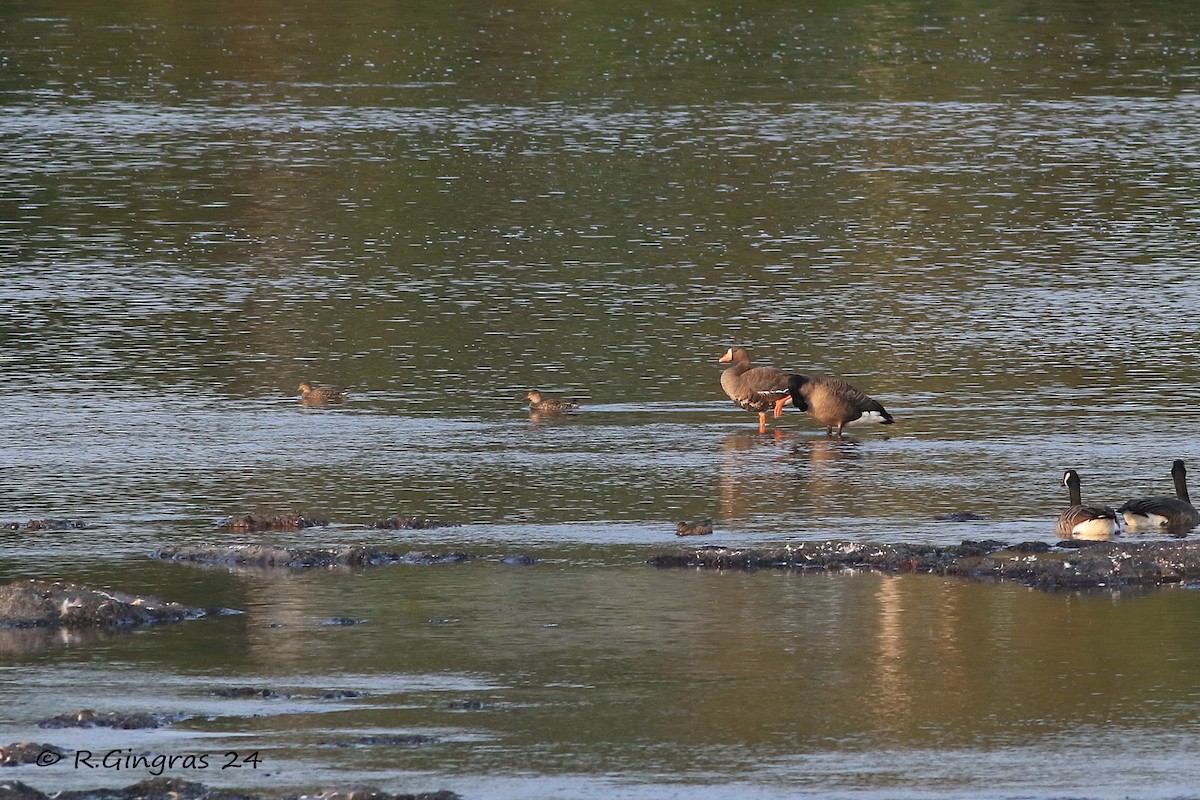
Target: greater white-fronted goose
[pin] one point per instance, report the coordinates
(1084, 522)
(758, 389)
(549, 405)
(311, 395)
(835, 403)
(1171, 514)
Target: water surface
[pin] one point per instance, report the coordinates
(983, 216)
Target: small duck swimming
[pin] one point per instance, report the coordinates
(549, 405)
(310, 395)
(700, 527)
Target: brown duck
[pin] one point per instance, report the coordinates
(1084, 522)
(832, 402)
(1172, 514)
(549, 405)
(311, 395)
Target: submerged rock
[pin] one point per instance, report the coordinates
(19, 753)
(261, 555)
(388, 740)
(274, 556)
(1077, 565)
(177, 789)
(407, 523)
(456, 557)
(255, 521)
(117, 720)
(46, 525)
(33, 603)
(372, 793)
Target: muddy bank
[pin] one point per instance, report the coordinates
(175, 789)
(38, 604)
(1067, 565)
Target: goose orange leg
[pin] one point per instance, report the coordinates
(780, 403)
(762, 422)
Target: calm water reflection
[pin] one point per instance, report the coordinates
(982, 215)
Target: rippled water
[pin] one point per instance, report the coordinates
(983, 217)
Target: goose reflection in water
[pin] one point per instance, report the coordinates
(753, 475)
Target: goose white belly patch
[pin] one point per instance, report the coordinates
(1145, 520)
(868, 417)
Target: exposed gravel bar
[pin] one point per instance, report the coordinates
(1067, 565)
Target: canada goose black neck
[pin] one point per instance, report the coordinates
(1071, 481)
(1179, 474)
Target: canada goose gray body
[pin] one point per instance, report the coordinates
(1084, 522)
(1171, 514)
(835, 403)
(549, 405)
(758, 389)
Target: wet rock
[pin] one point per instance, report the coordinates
(19, 753)
(117, 720)
(270, 556)
(15, 790)
(156, 789)
(700, 527)
(247, 692)
(464, 705)
(388, 740)
(45, 525)
(342, 621)
(33, 603)
(436, 558)
(54, 524)
(518, 561)
(340, 694)
(407, 523)
(1072, 565)
(372, 793)
(270, 522)
(959, 516)
(177, 789)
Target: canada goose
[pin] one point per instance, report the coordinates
(1084, 522)
(1164, 513)
(758, 389)
(835, 403)
(548, 405)
(319, 395)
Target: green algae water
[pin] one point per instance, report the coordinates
(983, 216)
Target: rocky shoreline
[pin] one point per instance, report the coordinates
(1073, 564)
